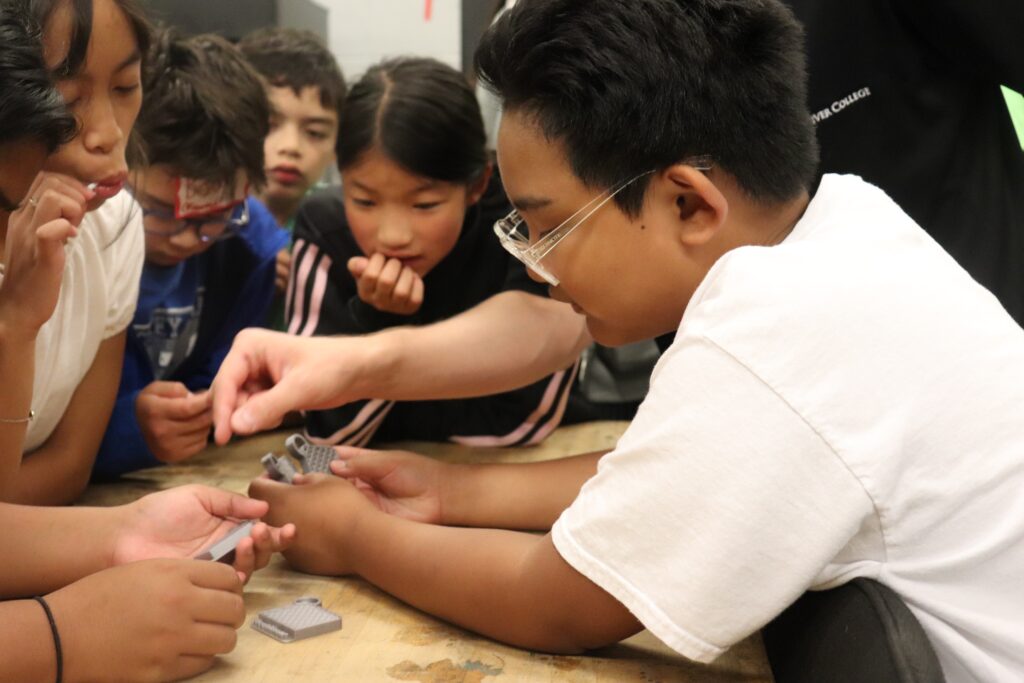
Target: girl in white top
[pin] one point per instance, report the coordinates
(78, 351)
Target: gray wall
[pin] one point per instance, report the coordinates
(476, 17)
(234, 18)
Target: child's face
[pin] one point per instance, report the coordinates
(400, 215)
(105, 96)
(169, 241)
(300, 145)
(629, 277)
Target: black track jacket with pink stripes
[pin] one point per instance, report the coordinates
(322, 300)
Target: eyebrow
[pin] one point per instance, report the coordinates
(323, 120)
(422, 188)
(132, 59)
(425, 187)
(529, 203)
(362, 187)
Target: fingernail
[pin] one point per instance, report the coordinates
(244, 420)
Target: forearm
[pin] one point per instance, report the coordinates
(58, 472)
(506, 585)
(17, 367)
(29, 652)
(55, 474)
(53, 546)
(514, 496)
(504, 343)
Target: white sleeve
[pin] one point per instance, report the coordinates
(125, 256)
(716, 510)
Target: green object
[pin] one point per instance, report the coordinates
(1015, 101)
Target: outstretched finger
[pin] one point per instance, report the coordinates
(266, 409)
(228, 505)
(234, 374)
(368, 466)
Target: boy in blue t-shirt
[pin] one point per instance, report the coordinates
(210, 247)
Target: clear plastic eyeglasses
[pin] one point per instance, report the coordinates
(514, 236)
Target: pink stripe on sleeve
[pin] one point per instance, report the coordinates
(300, 284)
(316, 298)
(358, 422)
(296, 249)
(556, 419)
(550, 395)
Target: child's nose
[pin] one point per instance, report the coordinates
(394, 232)
(288, 140)
(100, 131)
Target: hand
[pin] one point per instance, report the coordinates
(325, 510)
(175, 423)
(387, 284)
(282, 271)
(182, 521)
(399, 483)
(270, 374)
(34, 250)
(159, 620)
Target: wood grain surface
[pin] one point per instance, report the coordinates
(384, 640)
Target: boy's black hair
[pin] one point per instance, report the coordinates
(288, 57)
(81, 28)
(628, 87)
(30, 107)
(420, 113)
(205, 111)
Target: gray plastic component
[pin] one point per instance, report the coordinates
(312, 457)
(280, 468)
(224, 549)
(304, 618)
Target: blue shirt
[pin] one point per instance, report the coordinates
(168, 313)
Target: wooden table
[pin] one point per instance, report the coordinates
(385, 640)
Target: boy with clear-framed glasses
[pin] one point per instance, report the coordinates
(210, 247)
(841, 401)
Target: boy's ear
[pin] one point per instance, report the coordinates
(479, 186)
(699, 206)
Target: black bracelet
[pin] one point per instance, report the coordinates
(56, 636)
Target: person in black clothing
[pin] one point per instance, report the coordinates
(905, 93)
(408, 241)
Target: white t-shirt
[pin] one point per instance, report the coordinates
(97, 299)
(847, 403)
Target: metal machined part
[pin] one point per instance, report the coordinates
(280, 468)
(304, 618)
(312, 457)
(224, 549)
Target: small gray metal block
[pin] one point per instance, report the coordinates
(280, 468)
(224, 549)
(304, 618)
(312, 457)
